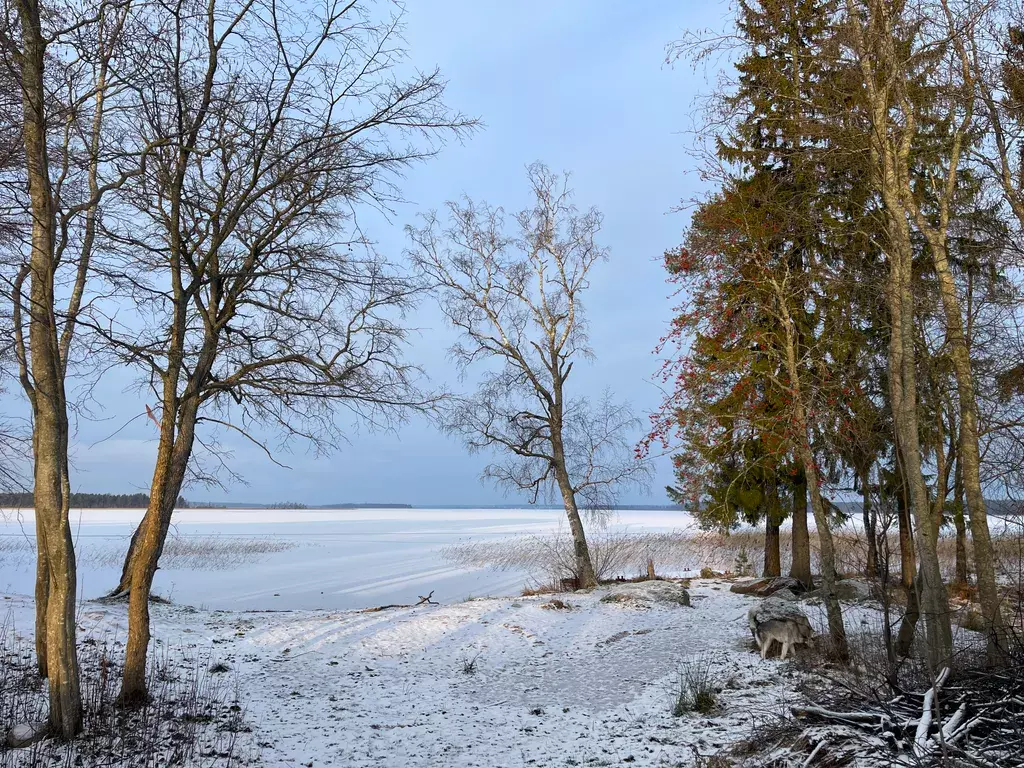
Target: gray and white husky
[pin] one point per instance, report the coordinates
(790, 628)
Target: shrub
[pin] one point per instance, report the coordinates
(695, 689)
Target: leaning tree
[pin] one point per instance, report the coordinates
(259, 307)
(516, 298)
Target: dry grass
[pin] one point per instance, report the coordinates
(549, 559)
(194, 718)
(198, 553)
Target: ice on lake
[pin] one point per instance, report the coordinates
(301, 559)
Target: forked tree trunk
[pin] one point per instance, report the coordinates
(800, 567)
(58, 655)
(934, 601)
(890, 150)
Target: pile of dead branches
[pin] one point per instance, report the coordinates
(970, 719)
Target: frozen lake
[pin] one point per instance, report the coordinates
(301, 559)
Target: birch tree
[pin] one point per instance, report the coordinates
(516, 299)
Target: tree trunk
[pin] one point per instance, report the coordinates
(890, 151)
(903, 399)
(772, 555)
(800, 567)
(834, 612)
(173, 454)
(868, 515)
(42, 598)
(58, 655)
(962, 573)
(969, 455)
(908, 569)
(585, 576)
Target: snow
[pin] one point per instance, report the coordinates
(591, 685)
(335, 559)
(325, 684)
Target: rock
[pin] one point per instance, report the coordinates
(556, 605)
(776, 609)
(27, 734)
(768, 586)
(848, 590)
(646, 593)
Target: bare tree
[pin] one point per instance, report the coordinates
(67, 60)
(258, 304)
(516, 299)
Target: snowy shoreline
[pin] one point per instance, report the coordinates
(589, 684)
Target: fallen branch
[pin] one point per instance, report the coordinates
(921, 747)
(425, 600)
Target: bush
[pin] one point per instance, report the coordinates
(695, 689)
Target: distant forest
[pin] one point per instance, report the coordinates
(91, 500)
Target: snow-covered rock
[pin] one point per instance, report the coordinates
(26, 734)
(643, 593)
(767, 586)
(776, 609)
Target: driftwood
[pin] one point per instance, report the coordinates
(383, 608)
(424, 600)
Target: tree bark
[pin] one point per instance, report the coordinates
(800, 567)
(962, 572)
(834, 612)
(772, 554)
(908, 570)
(42, 599)
(57, 653)
(585, 576)
(868, 516)
(969, 455)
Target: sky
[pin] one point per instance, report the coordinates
(579, 85)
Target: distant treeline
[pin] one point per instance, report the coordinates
(91, 500)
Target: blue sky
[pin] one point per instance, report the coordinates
(579, 85)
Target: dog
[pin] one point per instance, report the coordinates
(789, 627)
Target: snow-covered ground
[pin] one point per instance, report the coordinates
(331, 559)
(593, 685)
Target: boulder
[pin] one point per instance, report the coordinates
(26, 734)
(776, 609)
(646, 593)
(768, 586)
(848, 590)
